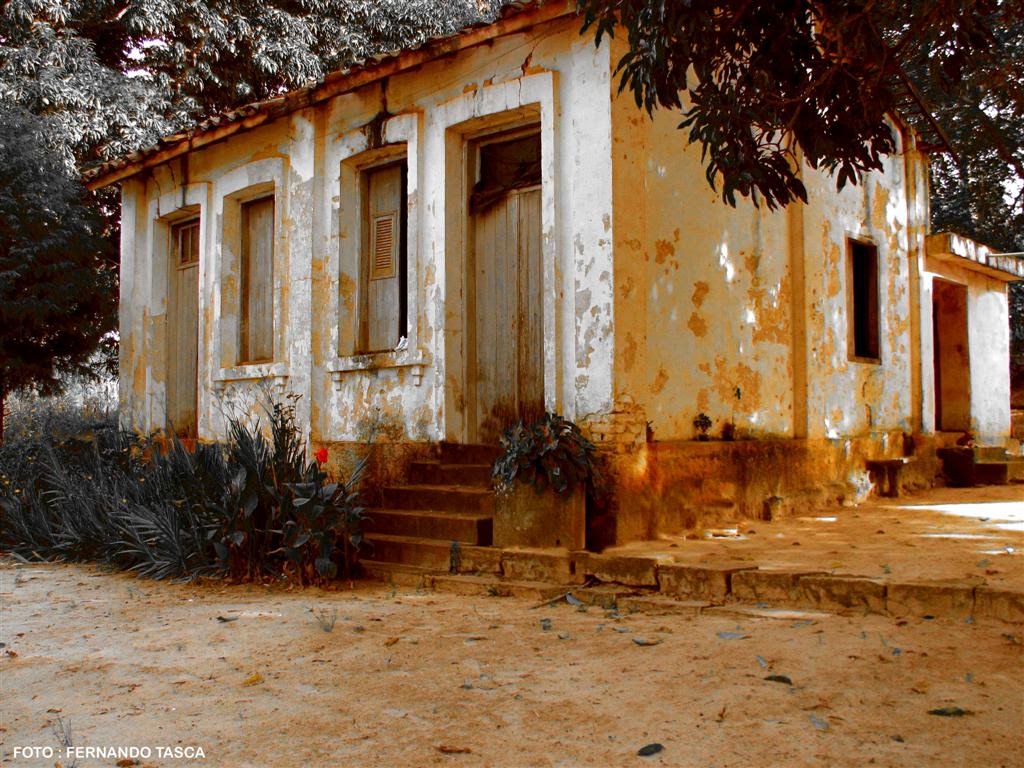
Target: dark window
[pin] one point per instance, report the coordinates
(185, 242)
(503, 166)
(862, 275)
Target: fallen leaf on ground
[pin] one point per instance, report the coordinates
(446, 749)
(254, 679)
(650, 749)
(950, 712)
(390, 641)
(819, 723)
(643, 642)
(226, 619)
(779, 679)
(733, 636)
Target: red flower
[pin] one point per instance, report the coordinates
(321, 456)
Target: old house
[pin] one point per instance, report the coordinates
(449, 238)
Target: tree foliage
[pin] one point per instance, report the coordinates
(758, 81)
(762, 83)
(115, 75)
(87, 80)
(55, 277)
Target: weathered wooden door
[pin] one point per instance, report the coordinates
(952, 363)
(507, 380)
(183, 329)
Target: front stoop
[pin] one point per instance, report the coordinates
(436, 533)
(443, 515)
(691, 589)
(980, 465)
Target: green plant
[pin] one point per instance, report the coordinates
(550, 452)
(702, 423)
(250, 508)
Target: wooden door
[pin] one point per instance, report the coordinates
(183, 329)
(952, 363)
(507, 380)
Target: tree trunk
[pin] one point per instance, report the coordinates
(3, 412)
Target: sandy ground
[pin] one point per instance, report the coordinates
(411, 679)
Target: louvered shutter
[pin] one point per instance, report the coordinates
(384, 263)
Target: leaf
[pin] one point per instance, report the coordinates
(254, 679)
(950, 712)
(650, 749)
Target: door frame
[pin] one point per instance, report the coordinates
(937, 411)
(464, 126)
(472, 162)
(181, 216)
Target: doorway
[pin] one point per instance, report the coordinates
(183, 329)
(952, 362)
(506, 364)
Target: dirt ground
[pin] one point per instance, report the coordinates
(421, 679)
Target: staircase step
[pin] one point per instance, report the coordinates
(397, 574)
(466, 527)
(991, 472)
(989, 453)
(431, 554)
(462, 498)
(495, 587)
(467, 453)
(439, 473)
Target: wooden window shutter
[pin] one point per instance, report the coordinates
(384, 265)
(384, 242)
(256, 319)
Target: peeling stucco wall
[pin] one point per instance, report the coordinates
(308, 160)
(725, 311)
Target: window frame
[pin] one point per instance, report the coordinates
(244, 300)
(376, 161)
(861, 320)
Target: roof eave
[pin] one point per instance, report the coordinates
(970, 254)
(334, 84)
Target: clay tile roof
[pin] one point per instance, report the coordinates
(513, 17)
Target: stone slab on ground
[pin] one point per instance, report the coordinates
(952, 600)
(839, 593)
(711, 583)
(654, 605)
(492, 587)
(772, 586)
(538, 565)
(633, 571)
(1001, 604)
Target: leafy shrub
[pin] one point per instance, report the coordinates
(550, 452)
(250, 508)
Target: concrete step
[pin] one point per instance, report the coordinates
(439, 473)
(431, 554)
(991, 472)
(465, 527)
(460, 453)
(495, 587)
(989, 453)
(398, 574)
(452, 498)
